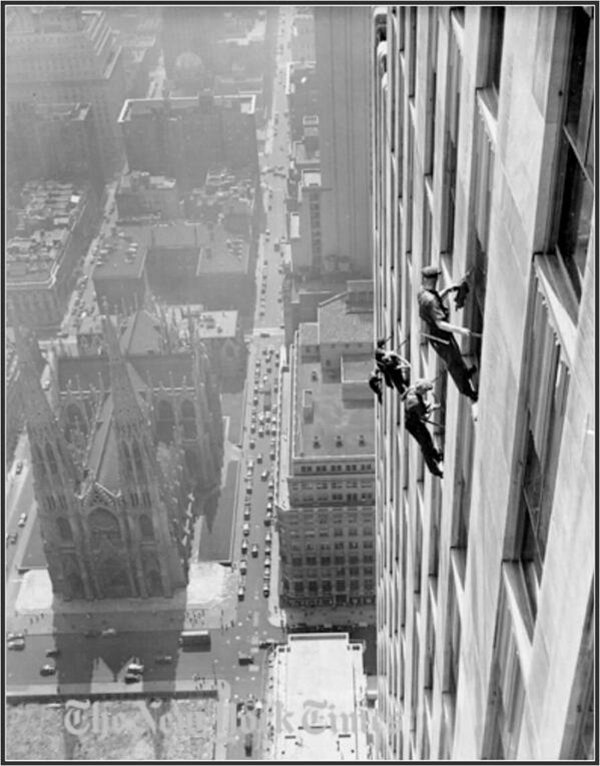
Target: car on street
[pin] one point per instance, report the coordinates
(254, 550)
(47, 670)
(250, 465)
(272, 455)
(246, 513)
(268, 519)
(135, 666)
(268, 232)
(163, 659)
(241, 593)
(243, 566)
(261, 432)
(266, 591)
(268, 538)
(22, 520)
(245, 659)
(52, 652)
(269, 506)
(252, 444)
(259, 458)
(264, 475)
(132, 678)
(252, 428)
(249, 490)
(244, 546)
(271, 484)
(246, 530)
(108, 633)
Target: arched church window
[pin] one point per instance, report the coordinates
(104, 525)
(165, 421)
(146, 528)
(64, 528)
(51, 503)
(188, 420)
(127, 458)
(146, 498)
(52, 466)
(135, 501)
(137, 458)
(39, 459)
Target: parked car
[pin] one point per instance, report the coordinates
(252, 444)
(264, 475)
(47, 670)
(243, 566)
(245, 659)
(266, 591)
(259, 458)
(52, 652)
(268, 538)
(246, 530)
(245, 546)
(241, 593)
(132, 678)
(268, 519)
(163, 659)
(22, 520)
(246, 513)
(254, 551)
(108, 633)
(135, 666)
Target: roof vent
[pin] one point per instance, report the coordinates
(338, 440)
(316, 442)
(361, 439)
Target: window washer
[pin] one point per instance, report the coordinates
(416, 410)
(395, 369)
(434, 311)
(375, 380)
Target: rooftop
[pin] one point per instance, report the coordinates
(321, 671)
(137, 180)
(120, 255)
(311, 178)
(208, 324)
(341, 322)
(321, 415)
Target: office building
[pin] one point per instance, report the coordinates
(134, 431)
(52, 231)
(319, 695)
(139, 195)
(301, 96)
(325, 498)
(343, 83)
(302, 44)
(54, 142)
(184, 138)
(483, 165)
(65, 54)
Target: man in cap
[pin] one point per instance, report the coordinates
(416, 410)
(375, 384)
(434, 311)
(394, 368)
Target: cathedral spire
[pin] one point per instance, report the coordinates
(126, 408)
(43, 430)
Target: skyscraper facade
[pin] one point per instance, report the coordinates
(483, 167)
(342, 80)
(63, 55)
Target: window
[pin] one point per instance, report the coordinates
(412, 49)
(431, 91)
(546, 394)
(496, 40)
(453, 636)
(340, 585)
(507, 691)
(451, 143)
(575, 190)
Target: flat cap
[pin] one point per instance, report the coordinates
(431, 271)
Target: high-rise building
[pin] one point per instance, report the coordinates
(65, 54)
(317, 700)
(184, 138)
(52, 229)
(325, 500)
(53, 141)
(112, 463)
(343, 83)
(483, 165)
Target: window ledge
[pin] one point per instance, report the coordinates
(518, 605)
(487, 104)
(562, 306)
